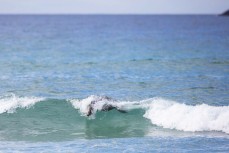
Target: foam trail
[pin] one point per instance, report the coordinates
(11, 102)
(173, 115)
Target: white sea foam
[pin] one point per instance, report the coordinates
(173, 115)
(167, 113)
(11, 102)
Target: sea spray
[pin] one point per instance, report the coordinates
(9, 103)
(173, 115)
(83, 105)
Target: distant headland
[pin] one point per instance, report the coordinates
(226, 13)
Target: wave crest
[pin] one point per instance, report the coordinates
(84, 104)
(9, 103)
(173, 115)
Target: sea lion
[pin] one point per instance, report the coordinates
(105, 107)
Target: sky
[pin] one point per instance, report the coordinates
(113, 6)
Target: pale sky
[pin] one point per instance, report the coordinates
(113, 6)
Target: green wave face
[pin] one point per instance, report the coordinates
(54, 120)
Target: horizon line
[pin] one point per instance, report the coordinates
(109, 14)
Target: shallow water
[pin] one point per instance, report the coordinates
(49, 64)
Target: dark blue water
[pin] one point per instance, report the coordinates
(126, 57)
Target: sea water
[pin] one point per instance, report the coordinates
(169, 73)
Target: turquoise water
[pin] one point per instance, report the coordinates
(170, 73)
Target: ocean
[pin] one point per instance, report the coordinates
(169, 73)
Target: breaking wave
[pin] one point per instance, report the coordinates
(160, 112)
(170, 114)
(9, 103)
(173, 115)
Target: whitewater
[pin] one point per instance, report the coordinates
(161, 112)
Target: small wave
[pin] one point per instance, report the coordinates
(161, 112)
(141, 60)
(220, 62)
(9, 103)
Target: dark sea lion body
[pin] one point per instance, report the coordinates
(106, 107)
